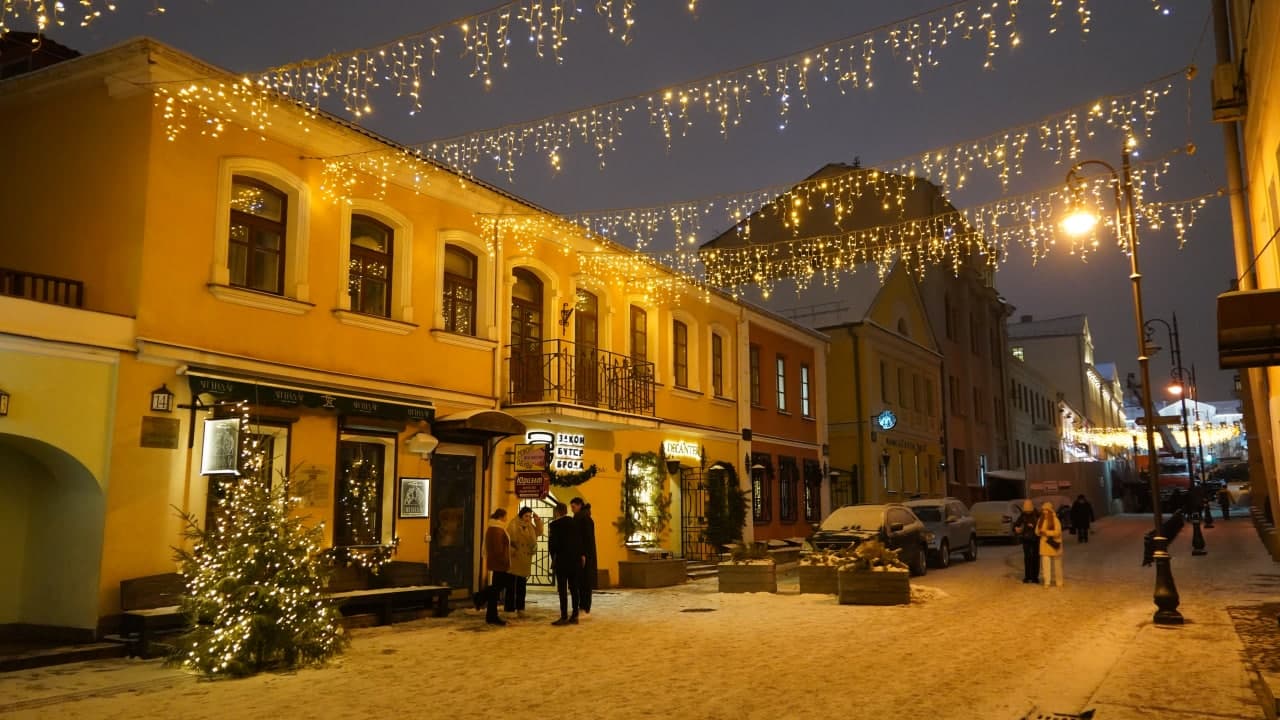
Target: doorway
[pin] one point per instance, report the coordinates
(693, 514)
(451, 557)
(526, 337)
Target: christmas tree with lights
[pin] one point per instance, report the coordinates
(255, 582)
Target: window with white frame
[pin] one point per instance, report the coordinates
(680, 353)
(459, 295)
(362, 493)
(256, 241)
(369, 267)
(782, 383)
(717, 364)
(805, 408)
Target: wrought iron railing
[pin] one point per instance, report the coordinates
(563, 371)
(41, 288)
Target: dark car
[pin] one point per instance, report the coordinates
(893, 524)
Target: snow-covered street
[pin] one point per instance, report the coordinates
(977, 643)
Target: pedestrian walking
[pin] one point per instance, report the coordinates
(1024, 529)
(1049, 529)
(1224, 500)
(497, 554)
(565, 548)
(524, 531)
(587, 537)
(1081, 518)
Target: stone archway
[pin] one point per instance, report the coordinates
(52, 514)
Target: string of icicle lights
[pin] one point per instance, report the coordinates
(846, 64)
(1207, 433)
(45, 13)
(400, 67)
(1000, 154)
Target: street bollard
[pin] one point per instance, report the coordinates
(1207, 511)
(1197, 538)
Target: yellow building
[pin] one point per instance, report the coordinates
(373, 342)
(883, 393)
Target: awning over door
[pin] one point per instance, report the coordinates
(478, 424)
(228, 387)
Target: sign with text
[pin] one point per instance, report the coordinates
(530, 457)
(532, 485)
(682, 449)
(567, 449)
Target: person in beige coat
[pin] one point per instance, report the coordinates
(1049, 529)
(524, 531)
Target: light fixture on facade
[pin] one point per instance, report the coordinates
(566, 312)
(423, 444)
(758, 466)
(4, 403)
(717, 466)
(162, 399)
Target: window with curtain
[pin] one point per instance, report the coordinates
(806, 408)
(782, 384)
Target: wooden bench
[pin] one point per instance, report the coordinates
(150, 604)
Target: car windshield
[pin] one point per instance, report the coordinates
(854, 517)
(928, 513)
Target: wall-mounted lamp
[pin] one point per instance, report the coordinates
(758, 466)
(885, 457)
(673, 467)
(423, 444)
(566, 312)
(717, 466)
(162, 399)
(4, 403)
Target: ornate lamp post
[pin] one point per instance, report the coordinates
(1081, 221)
(1182, 384)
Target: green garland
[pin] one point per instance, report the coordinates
(573, 479)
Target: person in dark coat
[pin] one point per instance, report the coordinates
(565, 548)
(1224, 500)
(497, 555)
(1024, 528)
(587, 536)
(1081, 518)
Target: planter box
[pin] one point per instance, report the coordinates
(874, 587)
(651, 573)
(819, 579)
(786, 555)
(754, 577)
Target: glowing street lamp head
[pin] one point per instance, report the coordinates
(1175, 389)
(1079, 222)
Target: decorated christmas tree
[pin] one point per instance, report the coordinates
(255, 582)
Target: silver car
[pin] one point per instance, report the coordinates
(995, 518)
(951, 529)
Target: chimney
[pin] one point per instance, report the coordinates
(1025, 318)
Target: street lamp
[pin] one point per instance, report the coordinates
(1078, 222)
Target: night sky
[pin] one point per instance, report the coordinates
(1128, 45)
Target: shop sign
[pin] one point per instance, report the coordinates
(568, 449)
(682, 449)
(159, 432)
(530, 457)
(532, 485)
(265, 394)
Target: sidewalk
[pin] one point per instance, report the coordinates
(1205, 668)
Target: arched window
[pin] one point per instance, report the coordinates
(369, 267)
(459, 291)
(256, 241)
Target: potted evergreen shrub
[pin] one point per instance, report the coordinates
(873, 575)
(749, 569)
(646, 513)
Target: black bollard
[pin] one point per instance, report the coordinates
(1207, 511)
(1197, 538)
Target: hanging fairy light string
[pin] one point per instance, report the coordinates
(400, 65)
(845, 64)
(1002, 154)
(1210, 434)
(44, 13)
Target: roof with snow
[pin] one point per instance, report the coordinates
(1068, 325)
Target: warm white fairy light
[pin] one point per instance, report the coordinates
(44, 13)
(1209, 434)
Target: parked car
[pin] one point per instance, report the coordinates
(893, 524)
(994, 519)
(952, 527)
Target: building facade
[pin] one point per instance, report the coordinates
(189, 309)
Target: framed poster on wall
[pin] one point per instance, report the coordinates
(220, 453)
(414, 497)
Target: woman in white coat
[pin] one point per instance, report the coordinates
(1049, 529)
(524, 531)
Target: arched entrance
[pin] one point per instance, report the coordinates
(52, 514)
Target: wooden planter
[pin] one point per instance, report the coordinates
(874, 587)
(752, 577)
(820, 579)
(651, 573)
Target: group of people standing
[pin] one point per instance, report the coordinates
(1041, 536)
(509, 548)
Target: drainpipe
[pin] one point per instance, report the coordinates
(863, 415)
(1253, 382)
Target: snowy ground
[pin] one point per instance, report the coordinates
(976, 644)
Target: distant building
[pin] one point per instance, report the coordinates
(23, 52)
(1061, 349)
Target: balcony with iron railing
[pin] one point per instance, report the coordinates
(41, 288)
(560, 371)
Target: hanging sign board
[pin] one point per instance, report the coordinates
(532, 485)
(531, 457)
(674, 449)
